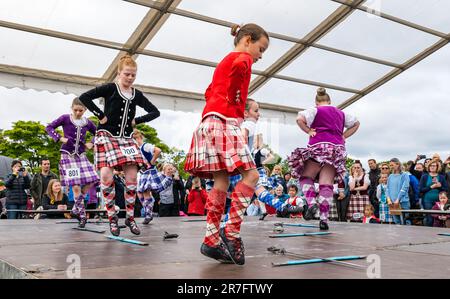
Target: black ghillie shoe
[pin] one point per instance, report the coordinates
(323, 225)
(235, 248)
(133, 226)
(114, 226)
(311, 212)
(218, 253)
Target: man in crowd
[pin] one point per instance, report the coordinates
(374, 176)
(40, 182)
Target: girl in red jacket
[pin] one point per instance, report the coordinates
(218, 149)
(197, 199)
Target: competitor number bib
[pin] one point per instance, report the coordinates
(73, 173)
(129, 151)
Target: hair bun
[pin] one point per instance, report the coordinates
(235, 29)
(321, 91)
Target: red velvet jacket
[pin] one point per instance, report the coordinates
(227, 94)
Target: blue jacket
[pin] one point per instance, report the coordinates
(414, 184)
(397, 187)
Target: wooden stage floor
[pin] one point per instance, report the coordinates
(40, 249)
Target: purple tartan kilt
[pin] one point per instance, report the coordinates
(324, 153)
(357, 204)
(76, 170)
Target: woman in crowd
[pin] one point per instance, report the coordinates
(359, 197)
(55, 199)
(430, 185)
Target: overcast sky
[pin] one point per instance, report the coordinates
(407, 116)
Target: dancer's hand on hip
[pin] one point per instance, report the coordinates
(103, 120)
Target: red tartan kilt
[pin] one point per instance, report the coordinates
(357, 204)
(218, 144)
(109, 151)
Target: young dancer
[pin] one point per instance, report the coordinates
(324, 158)
(218, 149)
(261, 156)
(75, 170)
(114, 145)
(149, 177)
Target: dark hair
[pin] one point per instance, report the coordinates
(254, 31)
(14, 162)
(443, 192)
(322, 95)
(44, 159)
(77, 102)
(374, 161)
(294, 186)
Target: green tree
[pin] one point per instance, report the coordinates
(176, 157)
(28, 141)
(151, 136)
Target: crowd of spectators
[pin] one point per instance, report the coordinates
(364, 196)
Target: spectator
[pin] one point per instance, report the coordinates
(431, 184)
(342, 199)
(170, 198)
(188, 187)
(359, 197)
(385, 169)
(2, 199)
(413, 192)
(295, 200)
(277, 176)
(415, 168)
(437, 157)
(287, 177)
(385, 216)
(40, 182)
(374, 177)
(397, 189)
(254, 209)
(280, 195)
(333, 214)
(197, 198)
(369, 216)
(55, 199)
(16, 183)
(425, 165)
(447, 171)
(441, 205)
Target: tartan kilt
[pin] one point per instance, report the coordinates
(384, 210)
(152, 180)
(262, 181)
(109, 151)
(333, 215)
(324, 153)
(357, 204)
(76, 170)
(218, 144)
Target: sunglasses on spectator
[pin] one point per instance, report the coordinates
(384, 167)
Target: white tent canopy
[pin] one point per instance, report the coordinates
(69, 46)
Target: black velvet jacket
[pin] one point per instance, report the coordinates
(119, 110)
